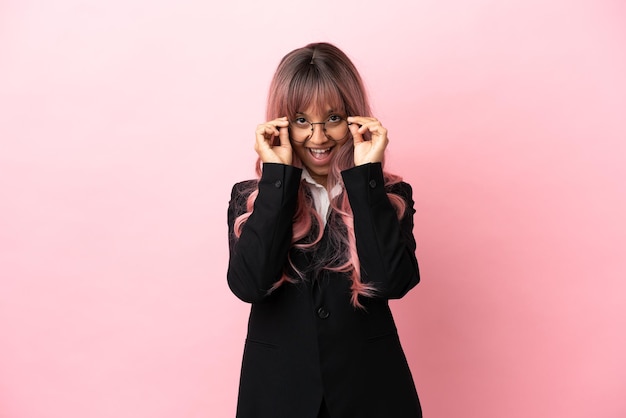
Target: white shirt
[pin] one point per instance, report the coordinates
(321, 199)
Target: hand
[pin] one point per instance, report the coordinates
(368, 151)
(268, 151)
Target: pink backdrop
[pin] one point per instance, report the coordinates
(124, 124)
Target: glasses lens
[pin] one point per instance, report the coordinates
(335, 128)
(300, 129)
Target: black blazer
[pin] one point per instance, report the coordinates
(305, 340)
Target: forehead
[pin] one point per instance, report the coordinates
(317, 111)
(318, 108)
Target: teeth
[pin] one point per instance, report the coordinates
(319, 151)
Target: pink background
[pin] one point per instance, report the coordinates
(124, 124)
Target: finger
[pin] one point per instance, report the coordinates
(375, 127)
(360, 119)
(280, 122)
(284, 137)
(276, 123)
(367, 124)
(356, 135)
(265, 130)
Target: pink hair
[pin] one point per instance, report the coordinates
(317, 76)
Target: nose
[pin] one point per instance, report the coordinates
(318, 136)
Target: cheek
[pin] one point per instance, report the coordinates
(299, 150)
(343, 145)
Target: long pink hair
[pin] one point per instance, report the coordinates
(320, 75)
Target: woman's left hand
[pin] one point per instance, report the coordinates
(368, 151)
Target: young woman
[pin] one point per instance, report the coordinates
(318, 245)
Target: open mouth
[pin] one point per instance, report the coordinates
(320, 153)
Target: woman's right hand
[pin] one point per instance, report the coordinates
(264, 146)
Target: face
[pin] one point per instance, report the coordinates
(318, 150)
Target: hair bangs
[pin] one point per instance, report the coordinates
(313, 90)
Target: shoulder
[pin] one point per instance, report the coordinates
(240, 193)
(400, 188)
(244, 187)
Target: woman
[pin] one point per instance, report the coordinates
(318, 245)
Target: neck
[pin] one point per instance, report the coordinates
(320, 180)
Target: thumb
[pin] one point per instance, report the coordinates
(354, 129)
(283, 135)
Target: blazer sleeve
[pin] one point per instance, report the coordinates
(385, 244)
(258, 256)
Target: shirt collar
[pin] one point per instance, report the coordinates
(335, 191)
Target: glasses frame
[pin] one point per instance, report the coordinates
(343, 119)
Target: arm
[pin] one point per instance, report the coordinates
(385, 245)
(258, 256)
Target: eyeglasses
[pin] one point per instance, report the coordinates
(335, 128)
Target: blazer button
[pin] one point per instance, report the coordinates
(372, 183)
(278, 183)
(323, 313)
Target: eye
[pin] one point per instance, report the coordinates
(301, 122)
(334, 119)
